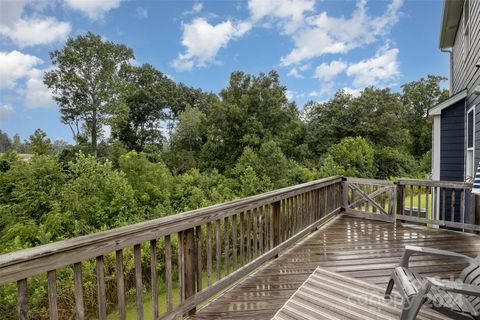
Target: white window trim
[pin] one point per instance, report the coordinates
(472, 149)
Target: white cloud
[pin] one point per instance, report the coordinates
(15, 65)
(327, 71)
(203, 41)
(322, 34)
(11, 11)
(289, 14)
(294, 73)
(355, 92)
(326, 88)
(94, 9)
(142, 13)
(376, 70)
(6, 111)
(197, 7)
(29, 32)
(37, 94)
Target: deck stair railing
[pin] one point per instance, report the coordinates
(221, 243)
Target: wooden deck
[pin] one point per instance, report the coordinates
(359, 248)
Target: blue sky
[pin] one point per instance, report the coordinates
(318, 46)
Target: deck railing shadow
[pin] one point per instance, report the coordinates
(205, 251)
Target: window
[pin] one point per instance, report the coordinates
(466, 29)
(470, 161)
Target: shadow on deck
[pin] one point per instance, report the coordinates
(361, 248)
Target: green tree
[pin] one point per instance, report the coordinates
(5, 142)
(85, 82)
(418, 97)
(253, 110)
(97, 197)
(147, 94)
(40, 144)
(377, 115)
(151, 182)
(351, 156)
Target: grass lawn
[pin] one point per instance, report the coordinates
(131, 312)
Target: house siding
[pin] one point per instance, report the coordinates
(452, 142)
(465, 74)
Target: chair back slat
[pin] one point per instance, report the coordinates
(471, 275)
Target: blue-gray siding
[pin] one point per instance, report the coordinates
(452, 149)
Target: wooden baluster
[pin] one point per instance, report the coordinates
(102, 298)
(276, 223)
(154, 276)
(249, 254)
(198, 234)
(400, 199)
(218, 257)
(120, 284)
(168, 272)
(234, 242)
(255, 240)
(22, 299)
(462, 206)
(52, 295)
(452, 213)
(137, 256)
(374, 209)
(411, 200)
(295, 214)
(209, 253)
(419, 189)
(78, 289)
(444, 197)
(261, 229)
(181, 264)
(427, 200)
(190, 261)
(227, 246)
(242, 240)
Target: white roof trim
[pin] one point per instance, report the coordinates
(437, 110)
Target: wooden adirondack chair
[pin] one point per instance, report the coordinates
(456, 299)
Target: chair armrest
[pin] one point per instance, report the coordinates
(413, 250)
(454, 286)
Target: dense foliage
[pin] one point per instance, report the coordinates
(174, 148)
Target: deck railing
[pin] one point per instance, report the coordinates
(200, 253)
(222, 243)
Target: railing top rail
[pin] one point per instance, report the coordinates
(28, 262)
(435, 183)
(371, 181)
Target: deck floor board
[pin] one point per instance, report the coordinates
(354, 247)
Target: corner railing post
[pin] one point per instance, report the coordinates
(400, 199)
(189, 264)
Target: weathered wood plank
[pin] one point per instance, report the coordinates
(137, 257)
(199, 264)
(154, 276)
(226, 239)
(168, 272)
(209, 253)
(119, 276)
(218, 247)
(22, 299)
(52, 295)
(234, 242)
(101, 293)
(78, 291)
